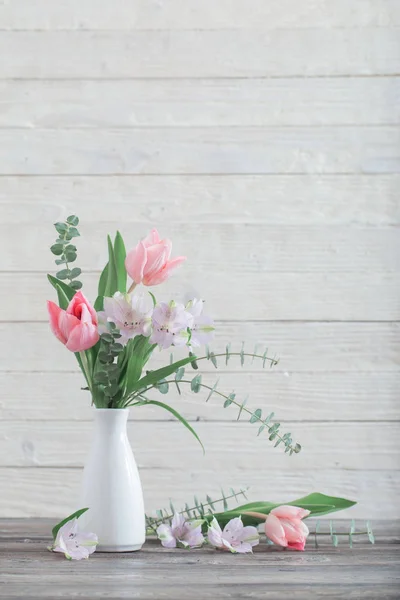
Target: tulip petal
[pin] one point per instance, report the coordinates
(290, 512)
(161, 276)
(274, 530)
(152, 238)
(54, 315)
(76, 304)
(157, 256)
(84, 335)
(135, 262)
(297, 545)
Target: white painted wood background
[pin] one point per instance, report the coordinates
(263, 138)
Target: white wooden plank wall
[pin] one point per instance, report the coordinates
(263, 138)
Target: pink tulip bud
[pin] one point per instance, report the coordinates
(284, 527)
(149, 263)
(75, 327)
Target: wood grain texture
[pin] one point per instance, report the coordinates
(305, 199)
(36, 491)
(250, 248)
(226, 14)
(199, 103)
(325, 572)
(319, 296)
(357, 397)
(212, 150)
(60, 444)
(196, 53)
(301, 347)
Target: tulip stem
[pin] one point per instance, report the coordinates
(257, 515)
(132, 287)
(86, 371)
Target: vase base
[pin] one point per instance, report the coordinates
(102, 548)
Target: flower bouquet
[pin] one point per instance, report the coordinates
(113, 340)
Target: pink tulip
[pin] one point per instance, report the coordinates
(75, 327)
(149, 263)
(284, 527)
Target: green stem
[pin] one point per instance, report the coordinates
(273, 361)
(86, 371)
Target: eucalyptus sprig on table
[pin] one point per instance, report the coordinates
(63, 248)
(318, 505)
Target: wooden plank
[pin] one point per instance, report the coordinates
(228, 575)
(88, 14)
(255, 249)
(292, 396)
(200, 53)
(199, 103)
(258, 199)
(52, 492)
(318, 347)
(319, 296)
(38, 529)
(200, 150)
(66, 444)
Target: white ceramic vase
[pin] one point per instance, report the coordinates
(111, 486)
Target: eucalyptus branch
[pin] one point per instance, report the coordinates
(350, 534)
(255, 416)
(212, 356)
(195, 511)
(67, 251)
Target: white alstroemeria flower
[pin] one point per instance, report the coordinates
(181, 532)
(131, 315)
(170, 325)
(74, 544)
(202, 329)
(234, 537)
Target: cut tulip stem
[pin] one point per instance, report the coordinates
(257, 515)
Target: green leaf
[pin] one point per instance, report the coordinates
(163, 386)
(60, 261)
(76, 285)
(100, 377)
(119, 257)
(73, 232)
(229, 400)
(103, 281)
(153, 298)
(63, 274)
(178, 416)
(179, 374)
(318, 505)
(57, 249)
(213, 359)
(73, 220)
(194, 364)
(70, 255)
(195, 384)
(256, 415)
(112, 279)
(74, 515)
(134, 360)
(75, 272)
(214, 387)
(68, 292)
(154, 376)
(61, 227)
(242, 407)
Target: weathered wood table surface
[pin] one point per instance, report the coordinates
(28, 571)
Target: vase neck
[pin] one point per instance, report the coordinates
(111, 420)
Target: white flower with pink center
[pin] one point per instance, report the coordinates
(170, 325)
(131, 315)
